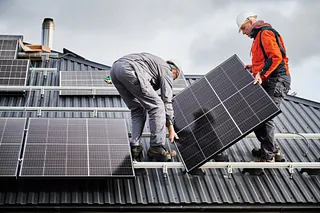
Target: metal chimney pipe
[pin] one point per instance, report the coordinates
(47, 32)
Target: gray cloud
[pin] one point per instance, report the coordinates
(201, 34)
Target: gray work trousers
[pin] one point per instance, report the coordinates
(140, 102)
(277, 88)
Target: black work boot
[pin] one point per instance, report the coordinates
(258, 153)
(136, 151)
(159, 153)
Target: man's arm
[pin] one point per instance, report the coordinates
(166, 83)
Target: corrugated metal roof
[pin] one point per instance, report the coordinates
(274, 190)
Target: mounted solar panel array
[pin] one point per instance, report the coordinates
(13, 72)
(96, 79)
(11, 138)
(11, 37)
(217, 111)
(85, 79)
(8, 49)
(76, 147)
(9, 46)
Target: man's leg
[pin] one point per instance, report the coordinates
(265, 134)
(155, 107)
(266, 142)
(157, 120)
(138, 112)
(277, 88)
(151, 101)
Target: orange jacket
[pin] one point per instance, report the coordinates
(274, 57)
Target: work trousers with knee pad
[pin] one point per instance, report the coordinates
(140, 102)
(277, 87)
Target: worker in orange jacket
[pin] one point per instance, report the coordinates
(270, 69)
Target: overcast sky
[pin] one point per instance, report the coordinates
(199, 33)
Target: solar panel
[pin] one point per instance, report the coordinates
(8, 49)
(11, 137)
(13, 72)
(96, 79)
(217, 111)
(77, 147)
(85, 79)
(11, 37)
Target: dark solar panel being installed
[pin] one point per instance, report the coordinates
(77, 147)
(11, 136)
(217, 111)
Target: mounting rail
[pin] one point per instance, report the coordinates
(229, 166)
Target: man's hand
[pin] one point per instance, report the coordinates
(249, 67)
(172, 134)
(257, 79)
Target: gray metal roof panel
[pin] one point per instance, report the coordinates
(179, 189)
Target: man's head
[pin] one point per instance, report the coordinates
(175, 67)
(245, 22)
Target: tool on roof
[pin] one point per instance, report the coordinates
(108, 80)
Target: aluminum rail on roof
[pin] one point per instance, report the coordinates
(23, 54)
(277, 135)
(95, 110)
(229, 166)
(112, 90)
(221, 165)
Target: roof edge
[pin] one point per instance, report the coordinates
(303, 101)
(72, 56)
(69, 55)
(171, 207)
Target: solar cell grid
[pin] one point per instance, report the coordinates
(217, 111)
(77, 147)
(11, 136)
(96, 79)
(11, 37)
(8, 49)
(84, 79)
(13, 72)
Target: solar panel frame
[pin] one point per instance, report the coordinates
(11, 37)
(77, 148)
(96, 79)
(8, 49)
(85, 79)
(14, 72)
(11, 142)
(212, 113)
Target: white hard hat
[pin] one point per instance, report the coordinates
(244, 17)
(175, 63)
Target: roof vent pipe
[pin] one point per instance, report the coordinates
(47, 32)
